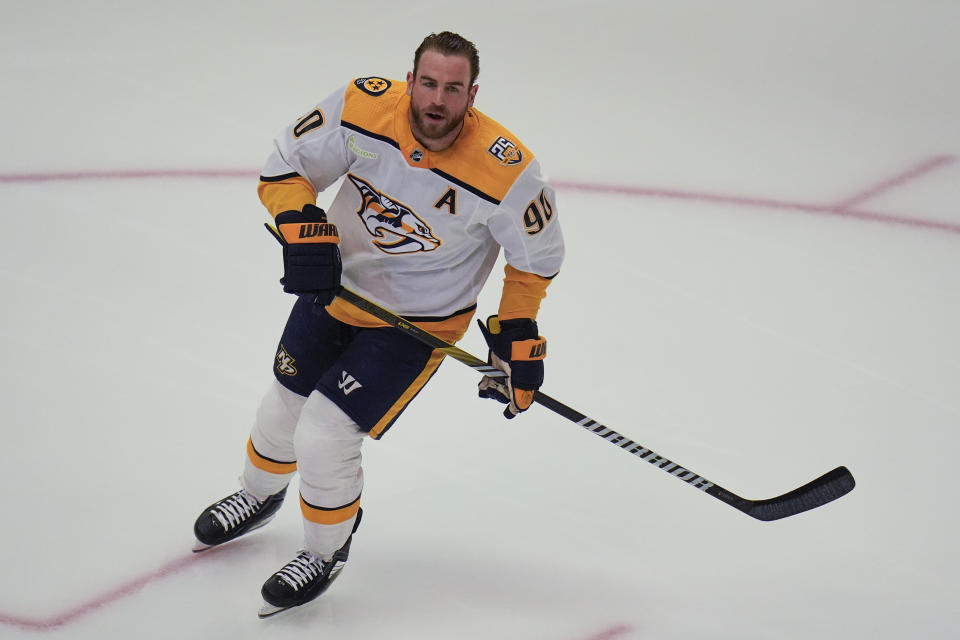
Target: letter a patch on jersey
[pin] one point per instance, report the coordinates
(449, 200)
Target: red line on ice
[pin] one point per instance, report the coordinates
(109, 597)
(126, 174)
(763, 203)
(841, 209)
(912, 173)
(611, 633)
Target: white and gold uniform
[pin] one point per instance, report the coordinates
(420, 232)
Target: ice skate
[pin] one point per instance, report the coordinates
(303, 579)
(234, 516)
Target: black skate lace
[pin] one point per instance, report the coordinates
(301, 570)
(236, 509)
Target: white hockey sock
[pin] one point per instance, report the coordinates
(328, 445)
(271, 459)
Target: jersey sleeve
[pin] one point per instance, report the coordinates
(307, 157)
(526, 227)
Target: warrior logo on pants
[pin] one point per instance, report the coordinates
(348, 383)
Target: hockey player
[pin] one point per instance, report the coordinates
(432, 190)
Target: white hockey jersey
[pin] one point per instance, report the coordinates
(420, 230)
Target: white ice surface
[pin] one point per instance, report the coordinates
(758, 346)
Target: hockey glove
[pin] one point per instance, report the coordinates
(518, 350)
(311, 257)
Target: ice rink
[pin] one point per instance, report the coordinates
(760, 204)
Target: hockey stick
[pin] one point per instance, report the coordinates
(816, 493)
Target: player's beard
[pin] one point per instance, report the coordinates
(429, 129)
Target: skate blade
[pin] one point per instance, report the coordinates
(267, 610)
(199, 546)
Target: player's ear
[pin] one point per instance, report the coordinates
(409, 82)
(473, 95)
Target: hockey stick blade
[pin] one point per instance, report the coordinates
(817, 493)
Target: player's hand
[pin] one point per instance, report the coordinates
(311, 257)
(518, 350)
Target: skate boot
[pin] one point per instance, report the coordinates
(303, 579)
(234, 516)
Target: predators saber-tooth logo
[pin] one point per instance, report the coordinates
(393, 225)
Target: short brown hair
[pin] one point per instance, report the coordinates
(449, 44)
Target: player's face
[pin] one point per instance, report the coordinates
(440, 95)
